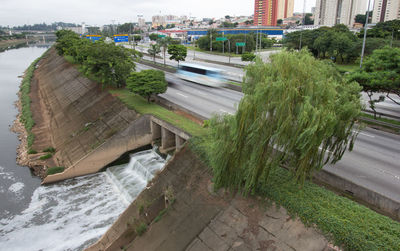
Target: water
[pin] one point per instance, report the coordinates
(16, 183)
(68, 215)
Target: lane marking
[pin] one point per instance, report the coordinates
(371, 136)
(182, 95)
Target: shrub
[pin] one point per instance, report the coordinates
(32, 151)
(47, 156)
(55, 169)
(248, 56)
(50, 149)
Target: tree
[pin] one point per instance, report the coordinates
(147, 82)
(308, 20)
(279, 22)
(163, 43)
(380, 73)
(297, 111)
(153, 37)
(266, 42)
(137, 38)
(178, 52)
(154, 50)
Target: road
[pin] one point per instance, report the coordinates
(374, 162)
(236, 74)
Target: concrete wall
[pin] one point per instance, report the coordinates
(380, 201)
(140, 132)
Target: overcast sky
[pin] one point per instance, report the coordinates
(99, 12)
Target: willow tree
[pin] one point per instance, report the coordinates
(297, 111)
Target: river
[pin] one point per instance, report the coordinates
(68, 215)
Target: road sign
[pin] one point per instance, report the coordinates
(221, 39)
(121, 38)
(161, 35)
(240, 44)
(93, 38)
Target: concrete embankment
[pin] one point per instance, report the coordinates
(73, 114)
(183, 213)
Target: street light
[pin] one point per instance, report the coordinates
(365, 34)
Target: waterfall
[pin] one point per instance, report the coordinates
(73, 214)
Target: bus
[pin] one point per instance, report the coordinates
(201, 74)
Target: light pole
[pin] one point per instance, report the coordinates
(365, 35)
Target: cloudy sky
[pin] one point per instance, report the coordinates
(99, 12)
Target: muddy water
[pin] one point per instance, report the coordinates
(16, 183)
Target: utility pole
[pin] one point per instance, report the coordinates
(303, 22)
(210, 41)
(365, 35)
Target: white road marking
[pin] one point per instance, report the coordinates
(182, 95)
(371, 136)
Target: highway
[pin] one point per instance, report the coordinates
(374, 162)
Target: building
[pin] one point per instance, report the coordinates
(332, 12)
(385, 10)
(267, 12)
(158, 20)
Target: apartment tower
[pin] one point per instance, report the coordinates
(267, 12)
(332, 12)
(385, 10)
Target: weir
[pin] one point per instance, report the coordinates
(143, 131)
(75, 213)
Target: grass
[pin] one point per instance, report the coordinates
(141, 229)
(32, 151)
(348, 224)
(140, 105)
(54, 170)
(234, 83)
(347, 67)
(26, 113)
(46, 156)
(390, 121)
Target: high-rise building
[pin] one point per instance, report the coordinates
(332, 12)
(385, 10)
(267, 12)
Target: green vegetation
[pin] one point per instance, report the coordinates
(154, 50)
(380, 73)
(141, 229)
(337, 43)
(50, 150)
(160, 215)
(147, 83)
(390, 121)
(105, 63)
(32, 151)
(54, 170)
(46, 156)
(178, 52)
(309, 117)
(140, 105)
(343, 68)
(26, 113)
(247, 56)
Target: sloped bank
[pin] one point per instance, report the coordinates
(72, 114)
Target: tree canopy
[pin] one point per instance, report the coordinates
(296, 111)
(147, 82)
(106, 63)
(154, 50)
(178, 52)
(380, 73)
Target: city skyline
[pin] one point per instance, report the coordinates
(20, 12)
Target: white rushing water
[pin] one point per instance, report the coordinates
(73, 214)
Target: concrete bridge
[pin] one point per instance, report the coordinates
(143, 131)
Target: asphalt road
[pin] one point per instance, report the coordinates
(374, 162)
